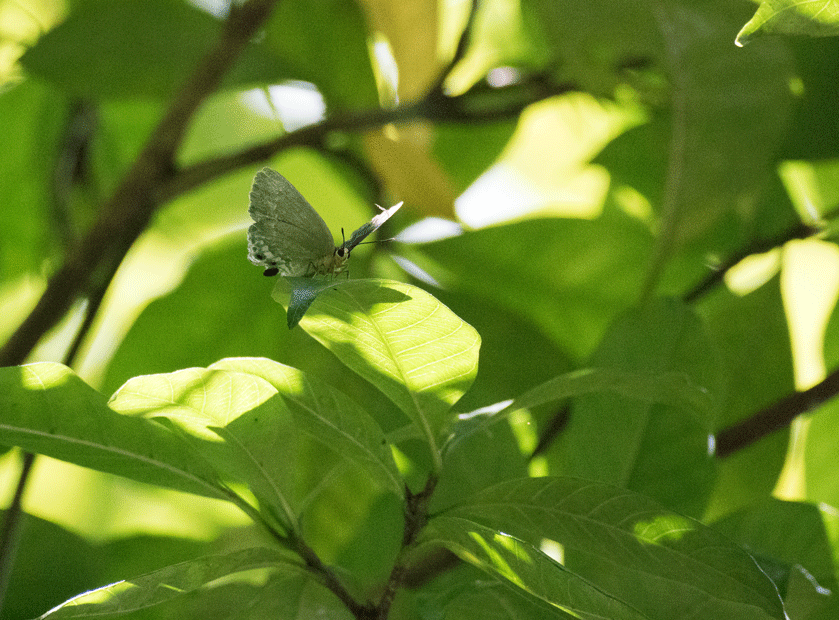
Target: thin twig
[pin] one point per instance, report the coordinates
(416, 516)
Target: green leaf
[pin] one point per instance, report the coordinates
(328, 416)
(719, 115)
(477, 456)
(466, 151)
(264, 433)
(34, 116)
(325, 42)
(48, 410)
(750, 332)
(789, 541)
(632, 437)
(525, 566)
(234, 420)
(628, 547)
(483, 599)
(671, 388)
(403, 341)
(820, 483)
(77, 564)
(575, 275)
(538, 357)
(174, 581)
(159, 340)
(135, 48)
(815, 18)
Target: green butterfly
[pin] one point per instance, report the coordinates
(289, 238)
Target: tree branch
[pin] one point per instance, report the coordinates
(776, 416)
(96, 257)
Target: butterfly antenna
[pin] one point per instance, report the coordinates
(377, 241)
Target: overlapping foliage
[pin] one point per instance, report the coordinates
(574, 411)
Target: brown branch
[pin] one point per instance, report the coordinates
(96, 257)
(463, 108)
(776, 416)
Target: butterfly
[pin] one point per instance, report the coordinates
(289, 238)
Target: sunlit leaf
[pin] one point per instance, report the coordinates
(328, 416)
(528, 568)
(403, 341)
(48, 410)
(815, 18)
(659, 563)
(172, 582)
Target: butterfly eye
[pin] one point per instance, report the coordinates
(342, 253)
(271, 271)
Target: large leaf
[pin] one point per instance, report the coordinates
(816, 18)
(329, 416)
(646, 441)
(258, 435)
(721, 114)
(820, 483)
(232, 419)
(135, 48)
(790, 542)
(751, 334)
(48, 410)
(569, 277)
(403, 341)
(632, 550)
(527, 567)
(77, 564)
(468, 593)
(33, 115)
(178, 580)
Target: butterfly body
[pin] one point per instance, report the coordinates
(288, 236)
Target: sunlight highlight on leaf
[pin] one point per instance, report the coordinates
(816, 18)
(49, 410)
(527, 567)
(403, 341)
(621, 545)
(174, 581)
(328, 416)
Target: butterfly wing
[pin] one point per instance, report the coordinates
(288, 234)
(359, 235)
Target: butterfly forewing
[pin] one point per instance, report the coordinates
(288, 234)
(359, 235)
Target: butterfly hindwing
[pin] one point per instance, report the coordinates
(288, 234)
(289, 238)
